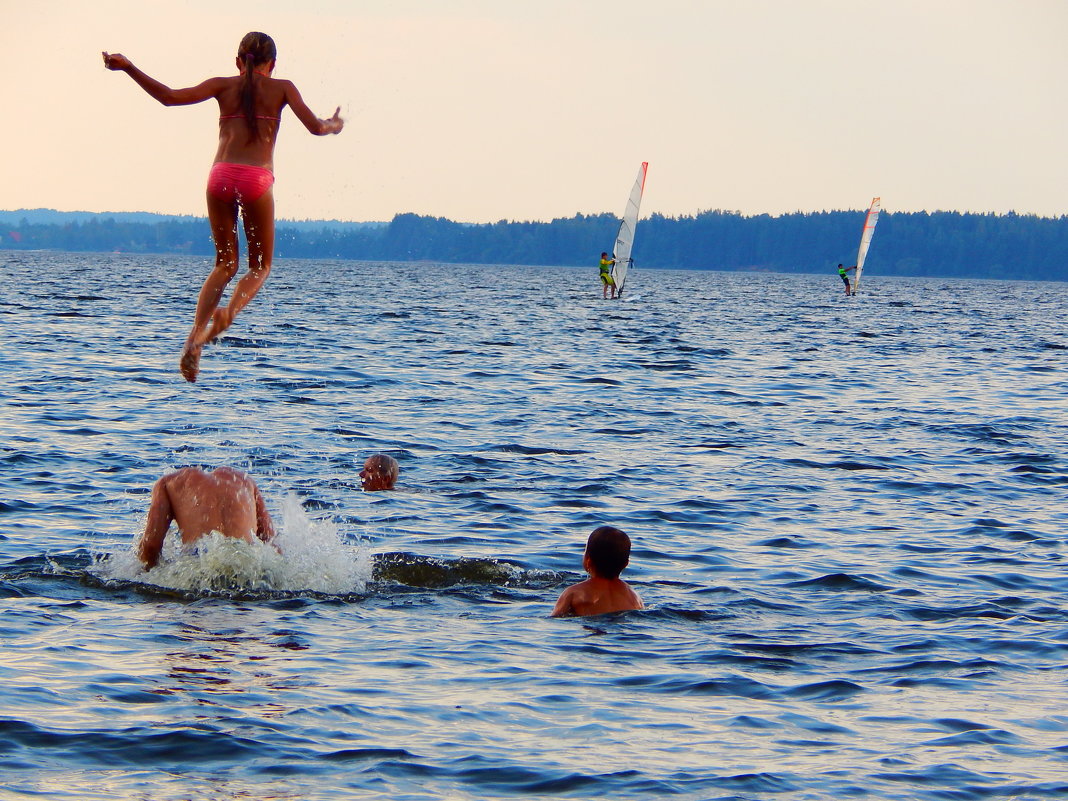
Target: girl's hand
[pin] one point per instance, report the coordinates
(116, 61)
(336, 121)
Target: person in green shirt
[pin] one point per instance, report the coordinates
(607, 281)
(842, 274)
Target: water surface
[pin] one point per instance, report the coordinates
(848, 518)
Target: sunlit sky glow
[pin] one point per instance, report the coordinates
(480, 110)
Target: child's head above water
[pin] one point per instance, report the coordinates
(608, 550)
(604, 592)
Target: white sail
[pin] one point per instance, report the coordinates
(865, 239)
(625, 237)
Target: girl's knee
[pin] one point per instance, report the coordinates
(225, 269)
(260, 269)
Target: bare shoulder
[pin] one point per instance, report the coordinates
(181, 476)
(633, 597)
(284, 87)
(565, 605)
(290, 91)
(222, 82)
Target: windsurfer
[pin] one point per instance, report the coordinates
(845, 278)
(607, 281)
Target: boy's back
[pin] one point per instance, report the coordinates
(604, 592)
(597, 596)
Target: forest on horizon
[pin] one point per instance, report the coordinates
(941, 243)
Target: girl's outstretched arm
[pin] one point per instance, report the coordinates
(164, 94)
(331, 125)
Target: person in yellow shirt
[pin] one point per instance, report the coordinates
(607, 281)
(843, 273)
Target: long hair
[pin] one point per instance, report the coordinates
(255, 50)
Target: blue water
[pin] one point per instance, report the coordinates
(848, 518)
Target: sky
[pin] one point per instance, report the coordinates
(486, 110)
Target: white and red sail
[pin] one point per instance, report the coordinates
(865, 238)
(625, 236)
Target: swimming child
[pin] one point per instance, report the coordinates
(607, 280)
(607, 553)
(379, 473)
(224, 500)
(842, 274)
(250, 112)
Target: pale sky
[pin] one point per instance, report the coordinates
(481, 110)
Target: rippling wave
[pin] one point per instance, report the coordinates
(848, 521)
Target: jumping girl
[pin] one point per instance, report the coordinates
(250, 110)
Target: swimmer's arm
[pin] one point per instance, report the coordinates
(319, 127)
(264, 526)
(159, 520)
(563, 606)
(161, 92)
(637, 599)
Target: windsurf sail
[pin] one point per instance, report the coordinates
(865, 238)
(625, 237)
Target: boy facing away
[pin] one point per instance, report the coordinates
(607, 553)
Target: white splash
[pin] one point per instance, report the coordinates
(310, 556)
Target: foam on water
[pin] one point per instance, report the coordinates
(310, 556)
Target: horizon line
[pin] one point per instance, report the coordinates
(1010, 213)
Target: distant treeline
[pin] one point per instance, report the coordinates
(941, 243)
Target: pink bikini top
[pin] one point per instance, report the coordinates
(242, 116)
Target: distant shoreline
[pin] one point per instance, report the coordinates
(10, 216)
(52, 216)
(915, 244)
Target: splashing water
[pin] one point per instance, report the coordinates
(310, 556)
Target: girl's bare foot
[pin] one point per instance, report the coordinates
(190, 362)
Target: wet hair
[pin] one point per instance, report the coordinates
(255, 50)
(604, 253)
(384, 466)
(609, 550)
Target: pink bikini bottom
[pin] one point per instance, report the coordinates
(241, 182)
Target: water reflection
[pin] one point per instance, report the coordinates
(237, 652)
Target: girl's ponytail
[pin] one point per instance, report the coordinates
(255, 49)
(248, 96)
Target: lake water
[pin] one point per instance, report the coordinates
(848, 515)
